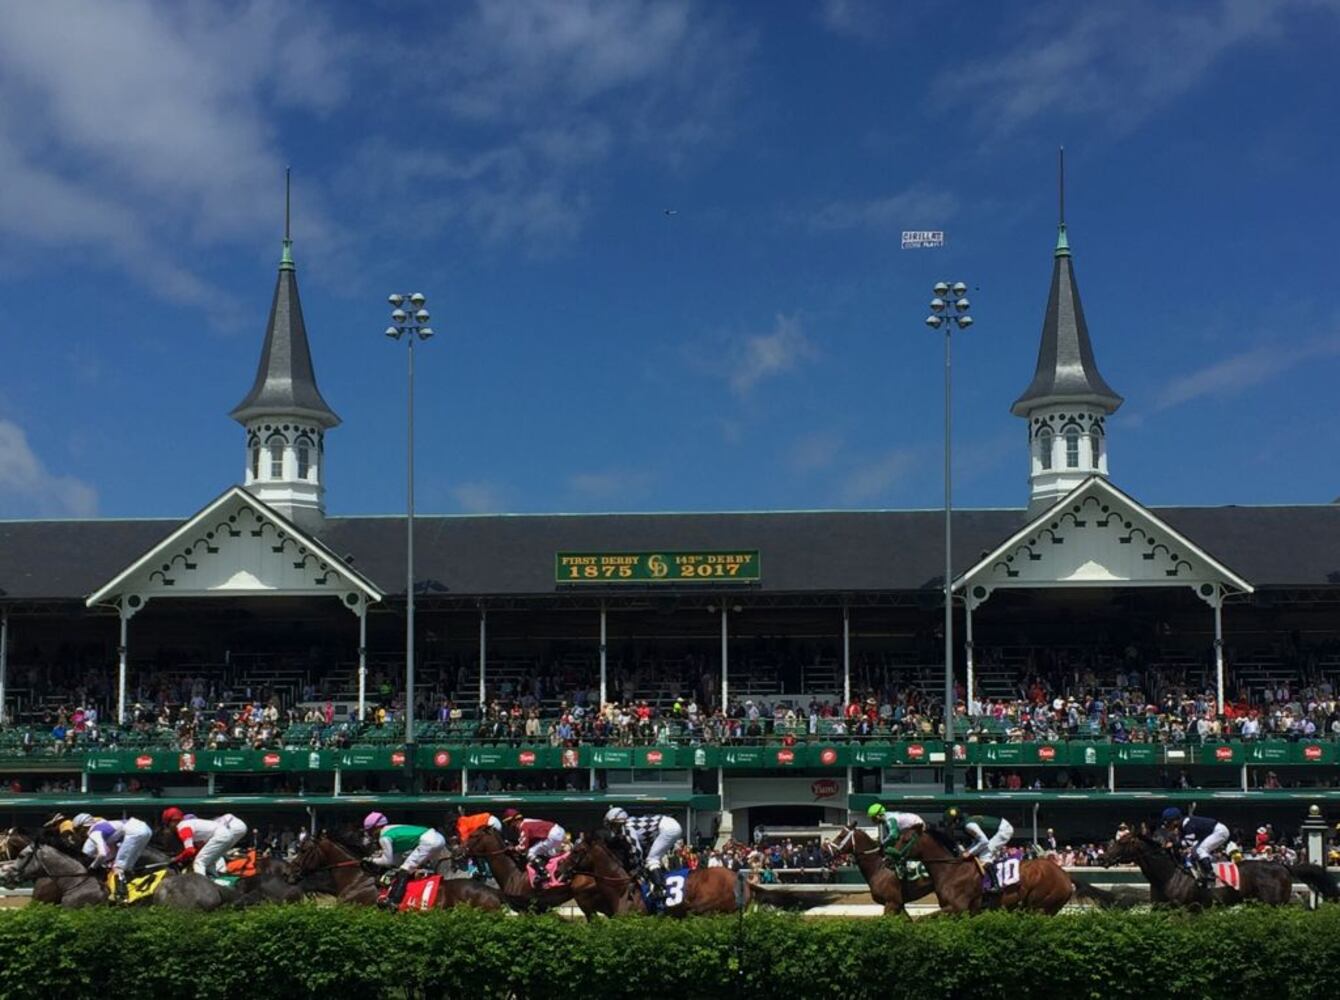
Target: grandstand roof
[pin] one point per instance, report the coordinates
(817, 552)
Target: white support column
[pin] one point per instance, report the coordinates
(967, 648)
(83, 782)
(121, 653)
(604, 690)
(362, 658)
(483, 646)
(339, 783)
(725, 679)
(465, 782)
(846, 657)
(1219, 647)
(1111, 776)
(4, 663)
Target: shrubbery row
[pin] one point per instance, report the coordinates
(346, 952)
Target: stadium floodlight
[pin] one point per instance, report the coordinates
(414, 323)
(942, 318)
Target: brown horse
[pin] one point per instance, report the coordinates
(508, 868)
(1043, 885)
(702, 891)
(1169, 882)
(886, 887)
(354, 884)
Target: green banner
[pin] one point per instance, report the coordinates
(1313, 752)
(1268, 753)
(735, 565)
(1222, 753)
(1135, 753)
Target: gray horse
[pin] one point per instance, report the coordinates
(64, 879)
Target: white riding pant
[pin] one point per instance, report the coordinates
(986, 849)
(1213, 842)
(134, 838)
(549, 846)
(426, 852)
(666, 836)
(229, 831)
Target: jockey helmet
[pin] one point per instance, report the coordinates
(511, 814)
(951, 814)
(66, 828)
(1171, 815)
(875, 811)
(373, 820)
(494, 823)
(83, 819)
(615, 815)
(172, 815)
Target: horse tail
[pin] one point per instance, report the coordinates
(1317, 878)
(1103, 898)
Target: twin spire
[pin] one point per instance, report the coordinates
(285, 383)
(1066, 370)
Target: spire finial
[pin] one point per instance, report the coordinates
(286, 260)
(1062, 243)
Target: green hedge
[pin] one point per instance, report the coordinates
(346, 952)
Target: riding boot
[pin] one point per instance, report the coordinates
(120, 891)
(541, 871)
(656, 876)
(1206, 870)
(397, 891)
(989, 870)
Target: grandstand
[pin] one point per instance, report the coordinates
(747, 668)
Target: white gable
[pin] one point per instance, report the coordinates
(237, 545)
(1098, 536)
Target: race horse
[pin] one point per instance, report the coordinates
(1170, 883)
(62, 878)
(702, 890)
(353, 883)
(508, 868)
(1042, 885)
(887, 887)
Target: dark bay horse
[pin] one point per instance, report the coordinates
(354, 884)
(508, 868)
(704, 891)
(1043, 885)
(886, 888)
(1169, 882)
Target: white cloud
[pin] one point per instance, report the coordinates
(478, 497)
(876, 478)
(608, 485)
(28, 487)
(1235, 374)
(814, 452)
(767, 355)
(915, 208)
(1118, 61)
(153, 128)
(852, 18)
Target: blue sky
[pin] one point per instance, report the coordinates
(761, 348)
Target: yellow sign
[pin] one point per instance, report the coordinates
(735, 566)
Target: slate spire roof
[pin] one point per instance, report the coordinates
(285, 381)
(1066, 371)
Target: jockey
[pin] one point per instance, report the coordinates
(203, 841)
(989, 834)
(409, 847)
(1199, 833)
(541, 839)
(466, 825)
(891, 826)
(648, 839)
(128, 837)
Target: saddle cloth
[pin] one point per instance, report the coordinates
(674, 891)
(550, 869)
(138, 888)
(1227, 873)
(420, 894)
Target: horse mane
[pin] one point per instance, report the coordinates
(943, 837)
(342, 840)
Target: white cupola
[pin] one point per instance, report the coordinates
(284, 414)
(1068, 402)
